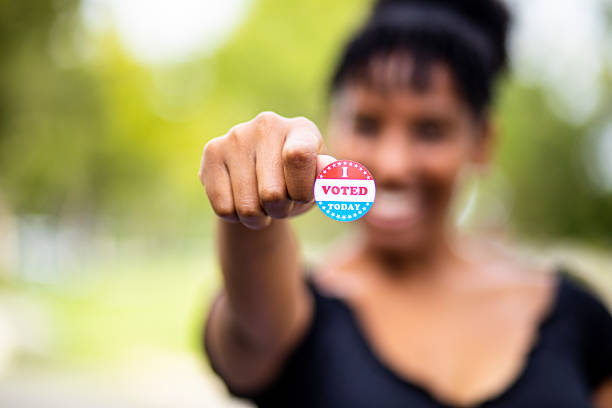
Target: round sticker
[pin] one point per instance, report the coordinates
(344, 190)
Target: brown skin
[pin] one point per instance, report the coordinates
(421, 294)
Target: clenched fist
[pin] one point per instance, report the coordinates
(263, 169)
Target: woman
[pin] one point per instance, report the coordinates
(413, 315)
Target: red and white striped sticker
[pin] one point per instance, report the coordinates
(345, 190)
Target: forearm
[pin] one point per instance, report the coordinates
(262, 282)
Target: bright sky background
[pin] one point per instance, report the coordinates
(563, 44)
(162, 31)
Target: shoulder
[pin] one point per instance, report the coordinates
(323, 331)
(580, 298)
(588, 317)
(577, 316)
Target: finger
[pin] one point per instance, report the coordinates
(300, 162)
(244, 190)
(270, 177)
(323, 161)
(216, 181)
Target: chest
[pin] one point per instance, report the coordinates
(546, 384)
(340, 367)
(463, 346)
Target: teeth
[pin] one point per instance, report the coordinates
(396, 196)
(396, 204)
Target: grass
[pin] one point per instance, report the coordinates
(119, 306)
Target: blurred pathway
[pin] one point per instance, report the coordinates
(168, 381)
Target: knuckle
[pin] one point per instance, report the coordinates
(266, 117)
(236, 134)
(302, 196)
(265, 121)
(272, 195)
(222, 205)
(248, 209)
(223, 210)
(211, 149)
(299, 156)
(303, 122)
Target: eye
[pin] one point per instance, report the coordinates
(367, 125)
(430, 131)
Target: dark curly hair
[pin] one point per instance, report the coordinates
(468, 36)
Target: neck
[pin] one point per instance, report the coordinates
(432, 262)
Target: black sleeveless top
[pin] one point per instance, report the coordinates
(334, 366)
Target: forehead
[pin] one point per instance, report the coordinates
(399, 83)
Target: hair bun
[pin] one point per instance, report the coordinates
(490, 16)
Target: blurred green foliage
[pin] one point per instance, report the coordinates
(545, 160)
(86, 132)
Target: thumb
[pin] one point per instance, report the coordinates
(323, 160)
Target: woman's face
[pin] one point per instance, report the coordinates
(415, 142)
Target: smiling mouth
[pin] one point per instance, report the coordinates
(396, 209)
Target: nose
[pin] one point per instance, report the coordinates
(394, 159)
